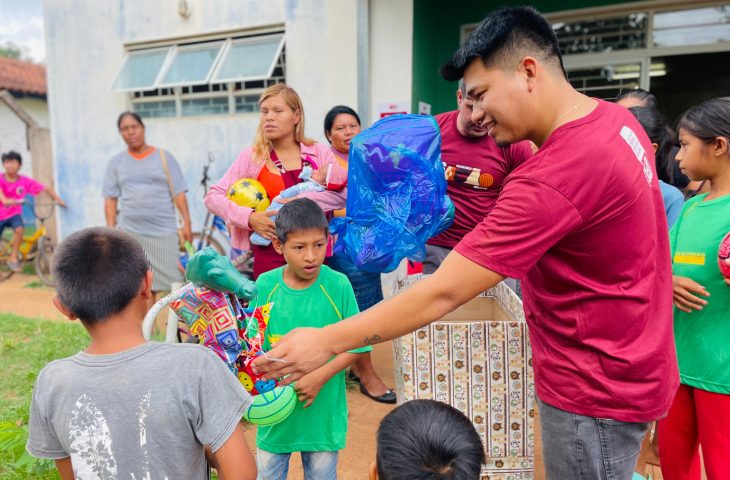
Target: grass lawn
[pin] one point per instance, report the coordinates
(26, 346)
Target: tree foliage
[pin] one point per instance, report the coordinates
(9, 49)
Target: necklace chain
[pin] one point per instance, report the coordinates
(574, 107)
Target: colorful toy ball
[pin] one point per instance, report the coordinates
(248, 192)
(723, 253)
(270, 408)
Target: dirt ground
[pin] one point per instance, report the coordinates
(35, 302)
(18, 298)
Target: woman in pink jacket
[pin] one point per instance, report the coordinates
(275, 159)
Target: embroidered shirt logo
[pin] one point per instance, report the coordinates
(633, 141)
(691, 258)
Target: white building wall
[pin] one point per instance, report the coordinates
(391, 52)
(86, 41)
(12, 129)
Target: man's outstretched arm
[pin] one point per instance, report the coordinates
(457, 281)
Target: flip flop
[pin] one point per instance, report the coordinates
(388, 397)
(353, 377)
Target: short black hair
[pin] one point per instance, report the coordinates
(98, 271)
(12, 155)
(300, 214)
(329, 119)
(646, 98)
(707, 120)
(503, 38)
(658, 132)
(428, 440)
(128, 114)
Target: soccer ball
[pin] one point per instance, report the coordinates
(723, 253)
(248, 192)
(270, 408)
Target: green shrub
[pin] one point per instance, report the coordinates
(27, 346)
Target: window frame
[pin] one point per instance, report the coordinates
(125, 60)
(174, 92)
(174, 52)
(242, 41)
(643, 56)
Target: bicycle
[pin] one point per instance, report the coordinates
(215, 225)
(36, 247)
(212, 224)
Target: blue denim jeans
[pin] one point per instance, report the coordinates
(586, 448)
(316, 465)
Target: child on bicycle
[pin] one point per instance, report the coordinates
(306, 293)
(13, 188)
(125, 407)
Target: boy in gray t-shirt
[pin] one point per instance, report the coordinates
(126, 408)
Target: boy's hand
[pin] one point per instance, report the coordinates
(685, 291)
(61, 203)
(308, 387)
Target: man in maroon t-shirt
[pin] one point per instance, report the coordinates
(582, 224)
(476, 169)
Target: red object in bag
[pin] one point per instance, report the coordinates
(414, 268)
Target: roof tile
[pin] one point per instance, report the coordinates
(22, 77)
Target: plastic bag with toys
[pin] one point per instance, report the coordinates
(212, 312)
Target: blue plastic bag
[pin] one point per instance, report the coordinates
(396, 196)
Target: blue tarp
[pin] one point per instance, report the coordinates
(396, 196)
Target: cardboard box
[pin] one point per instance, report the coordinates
(478, 359)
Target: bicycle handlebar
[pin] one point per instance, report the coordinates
(49, 206)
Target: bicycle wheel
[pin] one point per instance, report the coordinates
(5, 271)
(43, 258)
(211, 241)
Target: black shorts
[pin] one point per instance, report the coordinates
(13, 222)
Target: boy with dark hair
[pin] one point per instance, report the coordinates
(13, 189)
(582, 225)
(126, 407)
(306, 293)
(427, 440)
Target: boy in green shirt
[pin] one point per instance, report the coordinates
(306, 293)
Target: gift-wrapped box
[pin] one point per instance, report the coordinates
(478, 359)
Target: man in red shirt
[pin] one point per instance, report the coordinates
(476, 169)
(582, 224)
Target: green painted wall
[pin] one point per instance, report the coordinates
(436, 29)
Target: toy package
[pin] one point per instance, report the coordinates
(211, 309)
(396, 194)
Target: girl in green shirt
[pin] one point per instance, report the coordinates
(700, 413)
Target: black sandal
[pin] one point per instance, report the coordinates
(388, 397)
